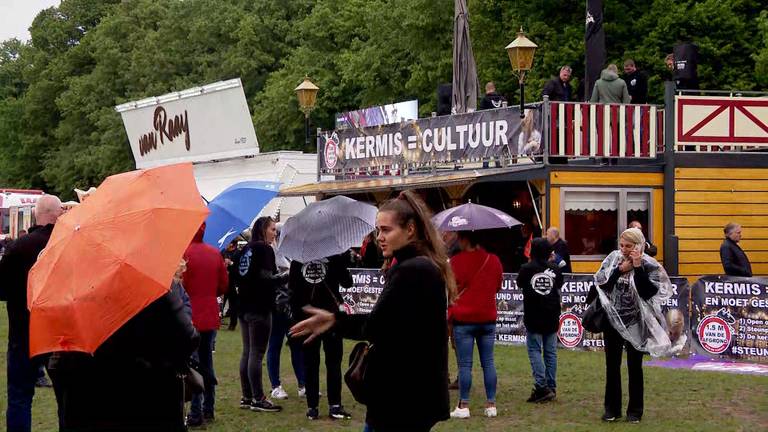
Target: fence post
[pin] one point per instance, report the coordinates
(545, 129)
(319, 154)
(671, 258)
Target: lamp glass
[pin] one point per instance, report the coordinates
(307, 94)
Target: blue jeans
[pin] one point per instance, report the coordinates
(465, 336)
(544, 371)
(22, 374)
(280, 326)
(204, 402)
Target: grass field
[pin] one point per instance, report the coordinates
(674, 399)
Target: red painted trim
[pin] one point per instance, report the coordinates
(615, 131)
(600, 115)
(569, 129)
(553, 148)
(585, 122)
(645, 114)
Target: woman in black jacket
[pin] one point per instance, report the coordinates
(632, 287)
(259, 280)
(407, 326)
(132, 382)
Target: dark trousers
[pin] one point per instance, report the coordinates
(234, 303)
(255, 329)
(614, 345)
(334, 349)
(280, 326)
(204, 402)
(22, 374)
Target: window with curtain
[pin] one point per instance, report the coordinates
(594, 218)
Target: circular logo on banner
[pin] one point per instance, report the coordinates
(330, 151)
(714, 334)
(313, 272)
(571, 331)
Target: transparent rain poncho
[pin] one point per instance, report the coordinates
(638, 321)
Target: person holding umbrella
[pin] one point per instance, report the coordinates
(120, 337)
(473, 316)
(407, 326)
(316, 284)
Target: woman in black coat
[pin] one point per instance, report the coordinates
(133, 380)
(407, 326)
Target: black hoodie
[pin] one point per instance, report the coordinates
(540, 281)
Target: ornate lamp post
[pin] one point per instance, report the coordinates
(521, 52)
(307, 95)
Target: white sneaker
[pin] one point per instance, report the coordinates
(279, 393)
(302, 392)
(460, 413)
(490, 411)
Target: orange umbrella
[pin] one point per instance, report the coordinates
(111, 256)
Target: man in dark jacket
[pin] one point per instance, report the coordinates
(637, 83)
(540, 281)
(317, 284)
(18, 259)
(558, 88)
(650, 248)
(735, 261)
(491, 100)
(562, 257)
(205, 280)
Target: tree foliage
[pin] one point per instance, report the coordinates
(58, 128)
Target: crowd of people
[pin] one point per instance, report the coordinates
(440, 293)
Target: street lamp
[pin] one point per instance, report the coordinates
(521, 52)
(307, 94)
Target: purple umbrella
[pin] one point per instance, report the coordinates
(472, 217)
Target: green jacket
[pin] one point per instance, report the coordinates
(610, 89)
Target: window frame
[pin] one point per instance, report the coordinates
(622, 212)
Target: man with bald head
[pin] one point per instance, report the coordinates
(18, 259)
(562, 257)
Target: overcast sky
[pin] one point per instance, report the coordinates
(16, 16)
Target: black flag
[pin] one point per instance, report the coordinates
(594, 41)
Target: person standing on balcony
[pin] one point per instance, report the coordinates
(491, 100)
(610, 88)
(559, 88)
(735, 261)
(637, 83)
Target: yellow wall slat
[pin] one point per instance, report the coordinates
(714, 245)
(554, 207)
(714, 257)
(715, 173)
(721, 197)
(716, 220)
(587, 178)
(657, 196)
(720, 185)
(717, 232)
(758, 269)
(585, 266)
(722, 209)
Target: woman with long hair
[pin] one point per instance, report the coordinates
(631, 287)
(473, 315)
(407, 326)
(259, 280)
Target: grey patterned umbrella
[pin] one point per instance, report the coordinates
(326, 228)
(471, 217)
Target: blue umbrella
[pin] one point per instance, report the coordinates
(472, 217)
(233, 210)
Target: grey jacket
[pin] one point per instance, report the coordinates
(610, 89)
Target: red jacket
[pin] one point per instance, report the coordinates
(477, 286)
(205, 279)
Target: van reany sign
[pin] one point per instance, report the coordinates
(194, 125)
